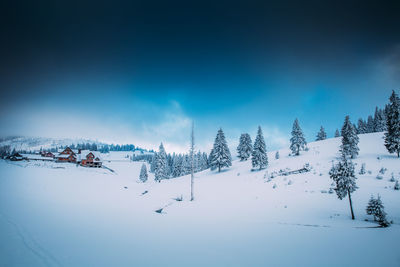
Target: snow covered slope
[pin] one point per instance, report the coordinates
(54, 214)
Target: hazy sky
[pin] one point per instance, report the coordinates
(140, 72)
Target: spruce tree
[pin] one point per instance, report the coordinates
(277, 155)
(392, 134)
(245, 147)
(143, 173)
(297, 142)
(321, 134)
(259, 156)
(375, 208)
(370, 124)
(220, 155)
(161, 165)
(343, 175)
(350, 139)
(379, 121)
(337, 134)
(361, 127)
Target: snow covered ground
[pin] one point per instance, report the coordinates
(58, 214)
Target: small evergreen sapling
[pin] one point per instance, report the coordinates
(143, 173)
(337, 134)
(375, 208)
(362, 170)
(277, 155)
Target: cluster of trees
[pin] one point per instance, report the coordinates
(257, 152)
(373, 124)
(166, 166)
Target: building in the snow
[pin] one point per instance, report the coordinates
(67, 155)
(89, 158)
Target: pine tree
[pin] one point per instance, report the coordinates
(375, 208)
(143, 173)
(392, 134)
(370, 124)
(343, 175)
(350, 139)
(321, 134)
(379, 121)
(259, 156)
(277, 155)
(297, 142)
(153, 162)
(220, 155)
(337, 134)
(245, 147)
(361, 127)
(161, 165)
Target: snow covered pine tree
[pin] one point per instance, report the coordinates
(343, 175)
(161, 165)
(297, 142)
(321, 134)
(143, 173)
(220, 155)
(392, 135)
(259, 156)
(245, 147)
(349, 146)
(375, 208)
(337, 134)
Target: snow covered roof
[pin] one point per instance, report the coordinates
(64, 156)
(84, 153)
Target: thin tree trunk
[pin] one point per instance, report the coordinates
(192, 169)
(351, 206)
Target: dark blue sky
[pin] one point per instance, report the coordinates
(140, 71)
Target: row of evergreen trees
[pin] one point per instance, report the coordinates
(166, 166)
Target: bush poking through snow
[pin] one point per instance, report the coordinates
(382, 170)
(362, 170)
(392, 178)
(396, 185)
(180, 198)
(277, 155)
(379, 177)
(375, 208)
(290, 182)
(274, 186)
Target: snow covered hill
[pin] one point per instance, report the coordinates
(54, 214)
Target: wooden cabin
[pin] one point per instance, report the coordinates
(47, 154)
(90, 159)
(67, 155)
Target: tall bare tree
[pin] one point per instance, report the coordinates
(192, 162)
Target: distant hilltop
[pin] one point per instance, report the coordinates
(35, 144)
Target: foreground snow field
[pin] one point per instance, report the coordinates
(54, 214)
